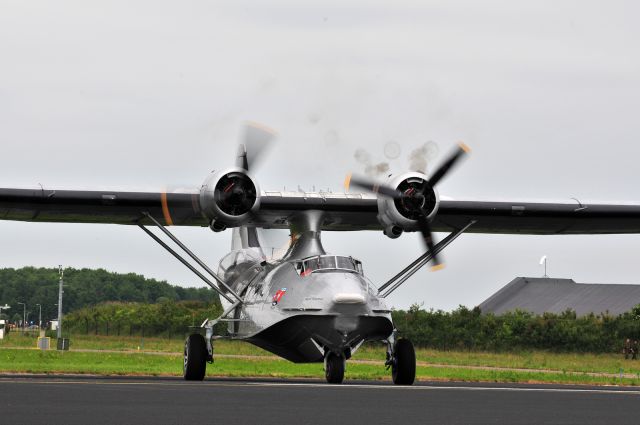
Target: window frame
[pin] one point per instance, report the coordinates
(303, 269)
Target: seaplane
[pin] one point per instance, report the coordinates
(309, 304)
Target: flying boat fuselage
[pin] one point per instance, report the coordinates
(298, 309)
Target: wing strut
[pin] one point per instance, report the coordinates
(213, 286)
(420, 262)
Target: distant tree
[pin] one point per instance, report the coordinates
(168, 318)
(85, 287)
(469, 329)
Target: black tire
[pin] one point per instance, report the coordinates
(403, 370)
(334, 369)
(195, 358)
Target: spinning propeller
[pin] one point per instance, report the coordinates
(256, 141)
(235, 192)
(415, 199)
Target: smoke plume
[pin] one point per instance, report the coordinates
(370, 168)
(419, 158)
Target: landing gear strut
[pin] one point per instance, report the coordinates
(334, 367)
(195, 358)
(401, 357)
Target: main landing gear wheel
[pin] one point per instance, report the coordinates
(195, 358)
(334, 368)
(403, 369)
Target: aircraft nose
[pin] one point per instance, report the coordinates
(350, 291)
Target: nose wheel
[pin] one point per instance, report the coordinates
(334, 365)
(195, 358)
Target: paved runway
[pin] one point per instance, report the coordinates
(81, 400)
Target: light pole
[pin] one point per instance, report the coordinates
(60, 292)
(39, 316)
(543, 260)
(24, 315)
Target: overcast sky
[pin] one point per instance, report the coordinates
(151, 94)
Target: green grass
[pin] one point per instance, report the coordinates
(133, 343)
(560, 367)
(569, 362)
(35, 361)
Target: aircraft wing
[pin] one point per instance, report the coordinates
(538, 218)
(360, 211)
(115, 207)
(342, 212)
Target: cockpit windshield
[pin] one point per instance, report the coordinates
(325, 263)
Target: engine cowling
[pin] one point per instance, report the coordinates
(229, 197)
(397, 215)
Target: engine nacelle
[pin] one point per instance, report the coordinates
(229, 197)
(402, 214)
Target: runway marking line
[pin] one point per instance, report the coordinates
(320, 385)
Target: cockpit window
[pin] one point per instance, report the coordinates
(325, 263)
(328, 262)
(345, 263)
(312, 264)
(359, 267)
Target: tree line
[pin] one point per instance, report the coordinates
(166, 318)
(461, 329)
(84, 288)
(104, 303)
(469, 329)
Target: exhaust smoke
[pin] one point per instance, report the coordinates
(419, 158)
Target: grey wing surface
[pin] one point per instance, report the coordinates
(538, 218)
(114, 207)
(342, 212)
(360, 212)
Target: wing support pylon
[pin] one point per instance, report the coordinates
(221, 288)
(396, 281)
(220, 283)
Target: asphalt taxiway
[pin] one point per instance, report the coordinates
(119, 400)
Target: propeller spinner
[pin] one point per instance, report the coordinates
(232, 196)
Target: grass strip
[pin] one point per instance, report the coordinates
(49, 362)
(535, 360)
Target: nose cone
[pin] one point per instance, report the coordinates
(343, 293)
(348, 294)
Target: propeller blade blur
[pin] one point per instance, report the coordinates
(442, 171)
(427, 236)
(371, 186)
(256, 141)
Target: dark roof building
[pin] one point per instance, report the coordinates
(540, 295)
